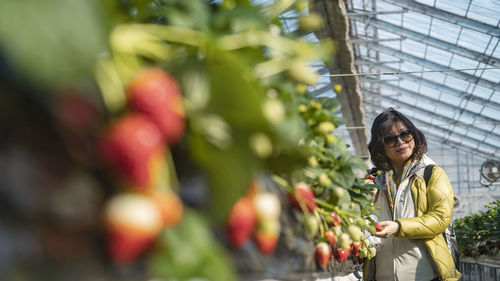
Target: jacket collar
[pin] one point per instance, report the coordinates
(419, 166)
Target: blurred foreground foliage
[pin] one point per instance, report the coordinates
(244, 82)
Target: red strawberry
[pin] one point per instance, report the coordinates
(267, 235)
(370, 177)
(133, 147)
(330, 235)
(378, 227)
(355, 247)
(343, 247)
(341, 255)
(156, 93)
(303, 196)
(241, 222)
(323, 253)
(335, 220)
(132, 223)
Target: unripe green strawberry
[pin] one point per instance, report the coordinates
(324, 180)
(261, 145)
(337, 193)
(274, 110)
(330, 139)
(355, 232)
(315, 105)
(313, 162)
(311, 226)
(344, 241)
(326, 127)
(156, 93)
(301, 88)
(312, 22)
(337, 88)
(133, 147)
(301, 72)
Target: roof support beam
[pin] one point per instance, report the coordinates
(430, 134)
(430, 130)
(435, 101)
(445, 106)
(437, 43)
(413, 109)
(439, 87)
(361, 13)
(435, 66)
(447, 16)
(337, 28)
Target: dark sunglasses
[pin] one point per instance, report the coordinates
(392, 140)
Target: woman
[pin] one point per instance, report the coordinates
(412, 215)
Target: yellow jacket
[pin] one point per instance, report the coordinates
(433, 212)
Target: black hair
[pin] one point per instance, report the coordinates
(382, 125)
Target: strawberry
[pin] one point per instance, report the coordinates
(330, 235)
(341, 255)
(133, 147)
(343, 248)
(323, 253)
(355, 247)
(267, 235)
(267, 206)
(371, 177)
(335, 220)
(156, 93)
(355, 232)
(311, 225)
(241, 222)
(303, 196)
(132, 223)
(378, 227)
(170, 206)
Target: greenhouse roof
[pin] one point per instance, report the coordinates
(436, 61)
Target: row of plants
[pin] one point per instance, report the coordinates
(479, 234)
(224, 83)
(246, 110)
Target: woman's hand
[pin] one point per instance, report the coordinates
(388, 229)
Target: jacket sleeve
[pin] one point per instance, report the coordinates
(434, 207)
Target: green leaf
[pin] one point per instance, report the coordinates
(53, 42)
(189, 251)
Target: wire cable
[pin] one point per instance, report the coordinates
(405, 72)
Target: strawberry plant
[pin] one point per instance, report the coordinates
(478, 234)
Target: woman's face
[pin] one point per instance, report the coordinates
(399, 151)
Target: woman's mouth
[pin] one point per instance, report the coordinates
(402, 149)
